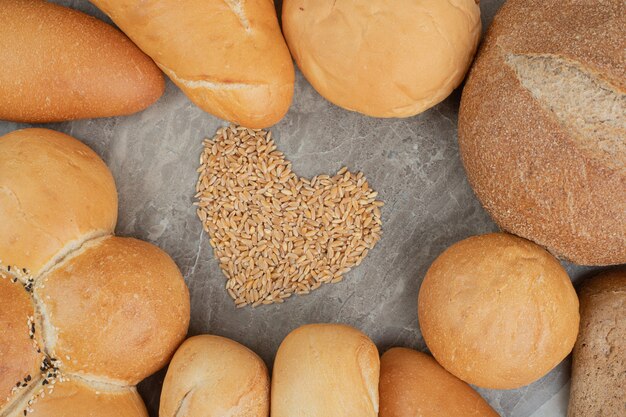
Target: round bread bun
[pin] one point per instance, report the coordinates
(55, 193)
(114, 310)
(75, 398)
(215, 376)
(413, 384)
(19, 358)
(498, 311)
(542, 126)
(383, 58)
(325, 370)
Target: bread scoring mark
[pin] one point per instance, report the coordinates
(591, 109)
(183, 405)
(204, 84)
(236, 6)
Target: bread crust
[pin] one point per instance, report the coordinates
(228, 57)
(60, 64)
(535, 175)
(211, 376)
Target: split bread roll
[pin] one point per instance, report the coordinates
(383, 58)
(413, 384)
(228, 57)
(325, 370)
(542, 126)
(498, 311)
(55, 193)
(97, 313)
(60, 64)
(598, 386)
(211, 376)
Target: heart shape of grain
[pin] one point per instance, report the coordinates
(276, 234)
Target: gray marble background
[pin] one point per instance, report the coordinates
(414, 165)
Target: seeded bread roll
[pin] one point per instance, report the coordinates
(229, 57)
(60, 64)
(211, 376)
(18, 357)
(413, 384)
(598, 385)
(55, 193)
(542, 126)
(383, 58)
(325, 370)
(75, 398)
(498, 311)
(128, 287)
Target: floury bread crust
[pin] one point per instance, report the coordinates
(383, 58)
(325, 370)
(542, 126)
(211, 376)
(498, 311)
(60, 64)
(228, 57)
(55, 193)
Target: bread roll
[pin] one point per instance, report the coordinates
(383, 58)
(498, 311)
(325, 370)
(211, 376)
(75, 398)
(542, 126)
(55, 193)
(599, 368)
(129, 288)
(228, 57)
(61, 64)
(413, 384)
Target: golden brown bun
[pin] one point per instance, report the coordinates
(211, 376)
(228, 57)
(60, 64)
(74, 398)
(498, 311)
(383, 58)
(118, 308)
(542, 126)
(18, 356)
(324, 370)
(599, 364)
(55, 192)
(413, 384)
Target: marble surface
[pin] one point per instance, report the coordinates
(414, 165)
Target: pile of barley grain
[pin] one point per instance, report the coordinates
(276, 234)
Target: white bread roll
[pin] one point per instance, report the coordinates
(55, 193)
(325, 370)
(383, 58)
(498, 311)
(228, 57)
(413, 384)
(211, 376)
(129, 288)
(542, 126)
(61, 64)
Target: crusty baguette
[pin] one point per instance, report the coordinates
(599, 367)
(211, 376)
(60, 64)
(229, 57)
(542, 126)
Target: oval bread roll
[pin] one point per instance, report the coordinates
(325, 370)
(60, 64)
(211, 376)
(130, 288)
(498, 311)
(413, 384)
(228, 57)
(55, 193)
